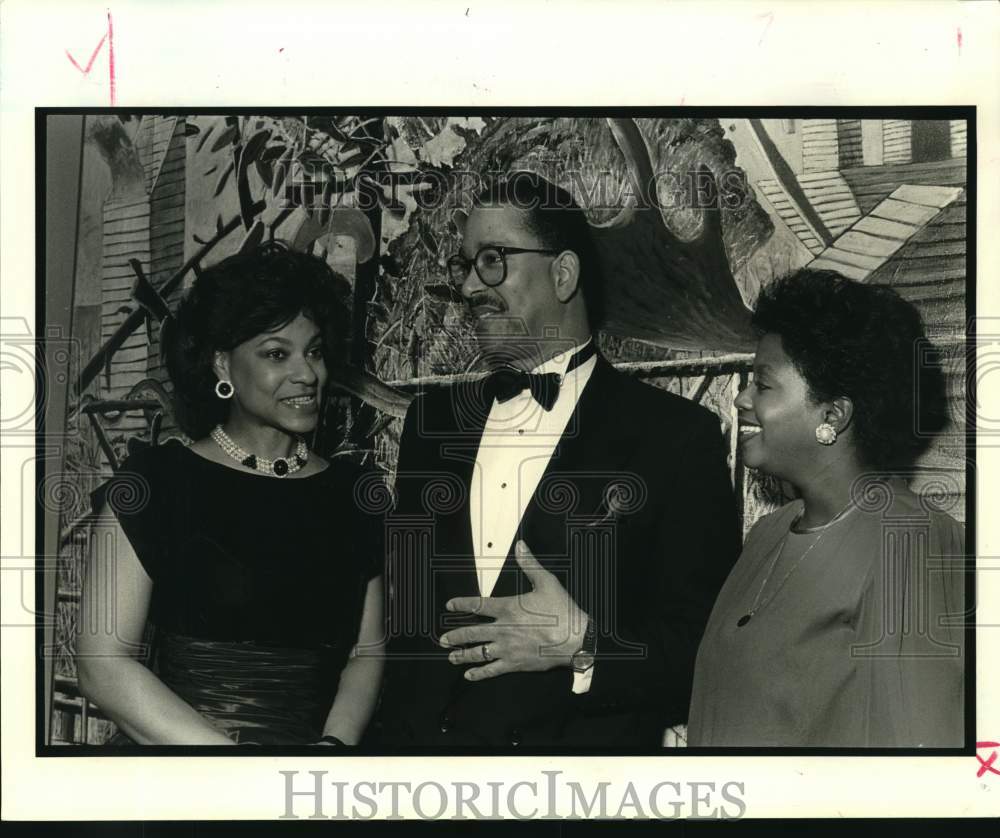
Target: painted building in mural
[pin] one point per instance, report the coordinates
(880, 201)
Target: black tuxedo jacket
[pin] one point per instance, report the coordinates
(635, 515)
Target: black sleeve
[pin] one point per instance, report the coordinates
(134, 496)
(407, 461)
(372, 501)
(691, 545)
(400, 575)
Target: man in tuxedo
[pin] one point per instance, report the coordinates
(561, 529)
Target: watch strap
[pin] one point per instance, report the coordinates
(583, 659)
(589, 637)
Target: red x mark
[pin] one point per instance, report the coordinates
(108, 36)
(987, 764)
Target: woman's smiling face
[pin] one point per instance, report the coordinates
(278, 377)
(778, 418)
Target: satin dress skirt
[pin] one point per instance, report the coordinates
(255, 693)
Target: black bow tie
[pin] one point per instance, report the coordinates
(508, 382)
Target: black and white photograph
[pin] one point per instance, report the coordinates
(511, 432)
(433, 456)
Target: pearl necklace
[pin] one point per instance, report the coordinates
(281, 467)
(822, 530)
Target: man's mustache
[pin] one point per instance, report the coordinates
(482, 298)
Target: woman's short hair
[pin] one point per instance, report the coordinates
(237, 299)
(865, 342)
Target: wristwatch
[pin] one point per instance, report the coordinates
(583, 660)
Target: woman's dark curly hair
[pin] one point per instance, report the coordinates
(239, 298)
(864, 342)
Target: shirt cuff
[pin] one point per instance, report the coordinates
(581, 681)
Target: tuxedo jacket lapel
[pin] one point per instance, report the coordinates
(593, 446)
(452, 443)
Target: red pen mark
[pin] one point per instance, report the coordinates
(770, 20)
(108, 36)
(111, 59)
(987, 764)
(97, 49)
(958, 38)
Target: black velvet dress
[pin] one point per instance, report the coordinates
(258, 584)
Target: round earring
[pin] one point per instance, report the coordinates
(826, 434)
(224, 389)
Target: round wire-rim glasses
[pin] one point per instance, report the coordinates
(490, 263)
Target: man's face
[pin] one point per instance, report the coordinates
(510, 317)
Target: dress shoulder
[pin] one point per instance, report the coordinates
(127, 491)
(135, 495)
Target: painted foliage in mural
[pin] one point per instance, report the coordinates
(691, 218)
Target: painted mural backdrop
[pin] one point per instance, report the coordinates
(691, 218)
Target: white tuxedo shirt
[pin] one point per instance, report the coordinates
(518, 441)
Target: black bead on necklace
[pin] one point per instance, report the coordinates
(281, 467)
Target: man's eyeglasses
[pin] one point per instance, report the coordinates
(490, 263)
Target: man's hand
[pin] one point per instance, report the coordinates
(530, 633)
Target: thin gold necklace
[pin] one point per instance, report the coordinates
(757, 604)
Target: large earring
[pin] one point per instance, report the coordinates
(224, 389)
(826, 434)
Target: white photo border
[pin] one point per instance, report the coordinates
(251, 55)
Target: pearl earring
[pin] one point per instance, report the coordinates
(826, 434)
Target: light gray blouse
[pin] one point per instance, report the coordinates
(857, 640)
